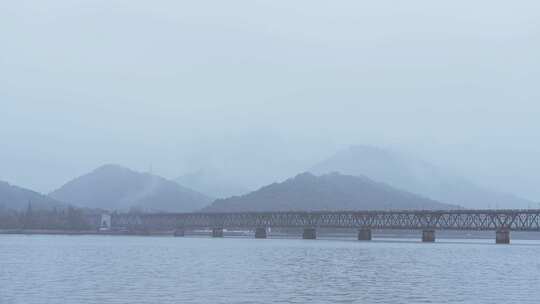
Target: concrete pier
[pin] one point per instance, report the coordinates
(502, 236)
(364, 234)
(179, 232)
(309, 233)
(260, 232)
(428, 236)
(217, 232)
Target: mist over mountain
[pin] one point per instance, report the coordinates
(416, 176)
(332, 191)
(114, 187)
(212, 183)
(17, 198)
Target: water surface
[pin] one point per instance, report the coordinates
(130, 269)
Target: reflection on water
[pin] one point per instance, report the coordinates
(103, 269)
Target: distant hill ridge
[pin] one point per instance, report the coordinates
(17, 198)
(332, 191)
(114, 187)
(416, 176)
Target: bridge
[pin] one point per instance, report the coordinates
(427, 221)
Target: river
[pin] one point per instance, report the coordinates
(133, 269)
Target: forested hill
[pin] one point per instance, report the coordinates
(327, 192)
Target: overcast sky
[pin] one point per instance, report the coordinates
(265, 89)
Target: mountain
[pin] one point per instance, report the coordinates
(416, 176)
(114, 187)
(212, 183)
(17, 198)
(327, 192)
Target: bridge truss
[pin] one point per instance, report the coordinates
(480, 220)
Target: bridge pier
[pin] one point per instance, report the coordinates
(364, 234)
(217, 232)
(179, 232)
(260, 232)
(428, 236)
(502, 236)
(309, 233)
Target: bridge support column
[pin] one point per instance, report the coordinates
(309, 233)
(364, 234)
(428, 236)
(260, 232)
(217, 232)
(179, 232)
(502, 236)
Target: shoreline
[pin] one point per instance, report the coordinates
(480, 235)
(67, 232)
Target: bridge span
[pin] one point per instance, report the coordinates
(428, 221)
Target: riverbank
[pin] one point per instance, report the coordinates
(113, 232)
(516, 235)
(68, 232)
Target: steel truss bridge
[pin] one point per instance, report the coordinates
(517, 220)
(501, 221)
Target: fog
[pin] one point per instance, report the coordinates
(262, 90)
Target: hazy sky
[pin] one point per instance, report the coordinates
(267, 88)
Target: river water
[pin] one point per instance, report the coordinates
(131, 269)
